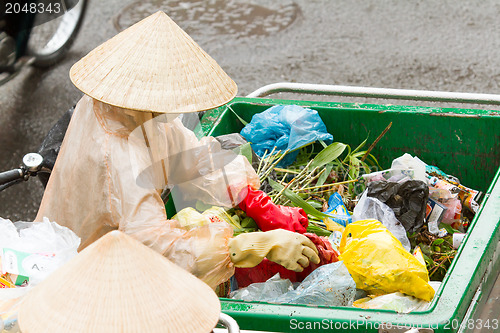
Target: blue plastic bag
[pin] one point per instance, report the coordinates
(337, 210)
(286, 127)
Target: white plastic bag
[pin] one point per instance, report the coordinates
(397, 301)
(413, 163)
(372, 208)
(35, 249)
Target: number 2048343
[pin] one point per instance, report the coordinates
(32, 7)
(480, 324)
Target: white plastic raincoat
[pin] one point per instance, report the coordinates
(110, 172)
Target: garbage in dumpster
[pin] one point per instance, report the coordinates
(374, 257)
(395, 301)
(263, 291)
(269, 216)
(407, 199)
(337, 210)
(286, 127)
(266, 269)
(412, 163)
(33, 250)
(372, 208)
(328, 285)
(314, 177)
(437, 250)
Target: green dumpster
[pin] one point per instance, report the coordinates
(462, 142)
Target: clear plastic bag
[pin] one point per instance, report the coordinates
(372, 208)
(328, 285)
(10, 300)
(271, 289)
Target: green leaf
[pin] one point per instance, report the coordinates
(249, 222)
(237, 116)
(448, 228)
(312, 228)
(374, 160)
(315, 204)
(438, 241)
(322, 178)
(246, 150)
(358, 154)
(297, 200)
(360, 146)
(328, 154)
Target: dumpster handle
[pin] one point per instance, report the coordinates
(229, 323)
(386, 93)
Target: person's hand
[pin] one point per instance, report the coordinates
(289, 249)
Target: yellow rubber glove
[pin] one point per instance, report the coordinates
(289, 249)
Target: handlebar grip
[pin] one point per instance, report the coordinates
(11, 175)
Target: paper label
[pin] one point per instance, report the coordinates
(24, 263)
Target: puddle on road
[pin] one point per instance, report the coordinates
(234, 18)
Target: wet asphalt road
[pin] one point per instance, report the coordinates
(431, 45)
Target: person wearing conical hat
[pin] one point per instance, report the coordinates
(119, 285)
(117, 156)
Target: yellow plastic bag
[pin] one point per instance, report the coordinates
(379, 264)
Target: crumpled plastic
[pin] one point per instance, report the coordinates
(10, 301)
(329, 285)
(379, 264)
(111, 170)
(337, 210)
(408, 200)
(269, 216)
(396, 302)
(266, 269)
(35, 249)
(372, 208)
(391, 175)
(285, 127)
(262, 291)
(407, 161)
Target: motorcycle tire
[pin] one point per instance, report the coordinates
(61, 39)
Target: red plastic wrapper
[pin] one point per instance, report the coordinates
(269, 216)
(267, 269)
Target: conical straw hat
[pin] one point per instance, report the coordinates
(119, 285)
(153, 66)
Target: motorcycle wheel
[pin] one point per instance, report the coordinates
(49, 42)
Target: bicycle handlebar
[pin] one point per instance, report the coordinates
(11, 175)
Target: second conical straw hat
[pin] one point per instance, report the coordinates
(119, 285)
(153, 66)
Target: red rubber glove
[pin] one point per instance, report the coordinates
(269, 216)
(267, 269)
